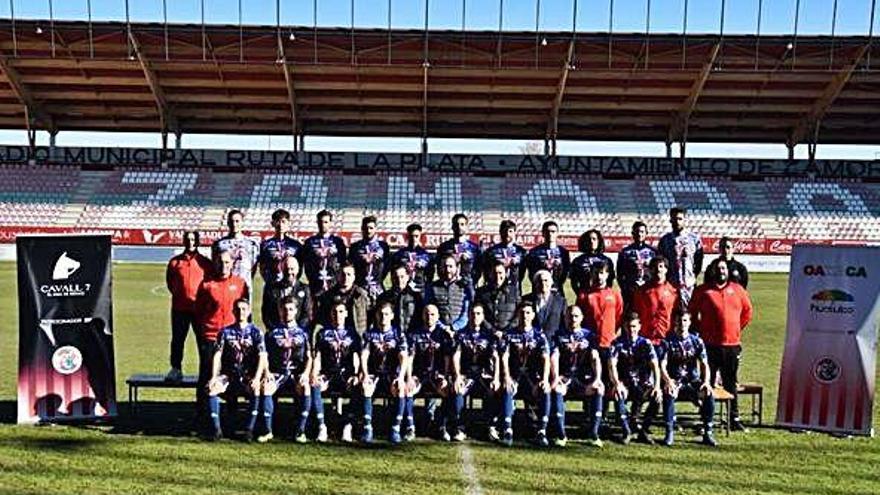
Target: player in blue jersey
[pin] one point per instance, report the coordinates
(290, 362)
(383, 370)
(274, 253)
(336, 367)
(684, 368)
(238, 368)
(510, 254)
(549, 256)
(322, 255)
(632, 264)
(370, 257)
(429, 369)
(525, 368)
(465, 251)
(418, 261)
(592, 246)
(635, 376)
(475, 369)
(576, 372)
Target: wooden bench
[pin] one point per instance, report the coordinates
(136, 382)
(756, 392)
(723, 398)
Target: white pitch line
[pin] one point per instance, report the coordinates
(469, 471)
(157, 288)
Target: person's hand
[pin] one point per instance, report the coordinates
(706, 388)
(620, 392)
(598, 386)
(496, 384)
(545, 386)
(657, 394)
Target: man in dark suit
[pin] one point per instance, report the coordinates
(549, 303)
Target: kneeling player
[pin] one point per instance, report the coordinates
(238, 367)
(383, 369)
(635, 375)
(336, 366)
(576, 370)
(290, 362)
(685, 370)
(525, 363)
(475, 365)
(430, 353)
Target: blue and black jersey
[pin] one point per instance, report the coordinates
(682, 356)
(512, 256)
(556, 260)
(575, 351)
(370, 259)
(419, 263)
(526, 351)
(429, 349)
(336, 349)
(273, 253)
(634, 361)
(288, 348)
(468, 255)
(385, 348)
(241, 349)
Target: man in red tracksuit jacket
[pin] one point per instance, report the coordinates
(215, 300)
(183, 276)
(722, 309)
(655, 301)
(603, 312)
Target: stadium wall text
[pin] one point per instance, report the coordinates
(411, 162)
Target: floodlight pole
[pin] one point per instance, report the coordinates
(91, 31)
(128, 29)
(610, 28)
(14, 34)
(204, 34)
(833, 32)
(684, 29)
(165, 19)
(758, 33)
(52, 26)
(870, 35)
(797, 16)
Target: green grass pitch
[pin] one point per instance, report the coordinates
(162, 458)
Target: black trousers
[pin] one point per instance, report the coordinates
(724, 359)
(181, 322)
(206, 358)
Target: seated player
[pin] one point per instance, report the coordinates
(525, 365)
(336, 366)
(635, 376)
(238, 366)
(475, 367)
(685, 371)
(383, 369)
(429, 363)
(577, 372)
(290, 363)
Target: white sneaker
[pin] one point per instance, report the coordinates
(460, 436)
(346, 433)
(322, 434)
(493, 434)
(174, 375)
(265, 438)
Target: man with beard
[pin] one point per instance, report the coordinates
(418, 261)
(683, 250)
(244, 250)
(632, 264)
(322, 255)
(592, 245)
(549, 256)
(289, 286)
(499, 296)
(369, 257)
(510, 254)
(465, 251)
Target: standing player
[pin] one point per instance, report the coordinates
(289, 286)
(404, 300)
(274, 253)
(336, 368)
(430, 367)
(465, 251)
(184, 274)
(549, 303)
(238, 367)
(592, 245)
(602, 307)
(549, 256)
(655, 303)
(499, 297)
(383, 369)
(510, 254)
(290, 362)
(722, 310)
(685, 371)
(418, 261)
(635, 376)
(684, 252)
(215, 299)
(356, 300)
(452, 294)
(244, 250)
(369, 257)
(322, 255)
(632, 264)
(736, 271)
(576, 372)
(475, 368)
(525, 365)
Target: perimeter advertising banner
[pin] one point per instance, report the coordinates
(828, 369)
(66, 366)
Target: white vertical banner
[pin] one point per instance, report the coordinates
(828, 369)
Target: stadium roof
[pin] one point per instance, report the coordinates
(362, 82)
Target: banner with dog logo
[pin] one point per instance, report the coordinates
(66, 366)
(828, 369)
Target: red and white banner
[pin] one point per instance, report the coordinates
(828, 369)
(174, 237)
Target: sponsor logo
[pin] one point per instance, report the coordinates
(65, 266)
(151, 238)
(835, 271)
(826, 370)
(67, 360)
(832, 301)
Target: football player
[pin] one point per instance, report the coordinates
(549, 256)
(465, 251)
(418, 261)
(322, 255)
(274, 252)
(475, 368)
(430, 363)
(510, 254)
(369, 257)
(383, 369)
(592, 245)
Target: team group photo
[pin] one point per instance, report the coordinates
(416, 246)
